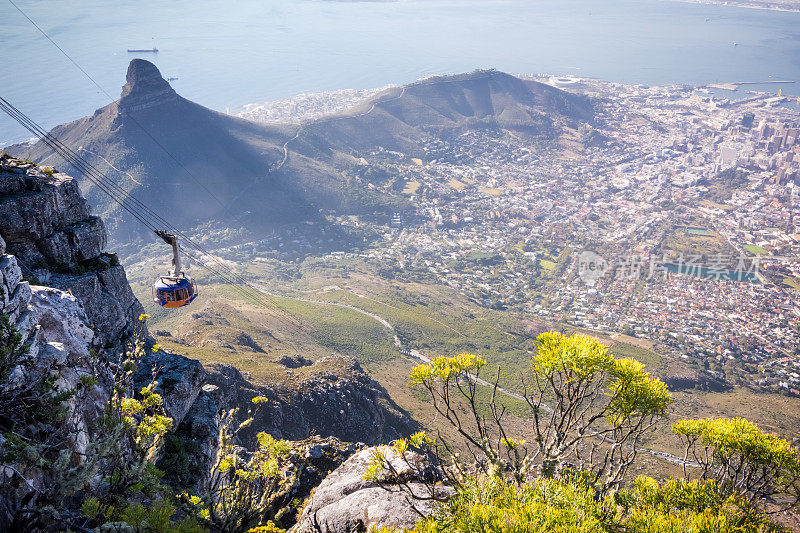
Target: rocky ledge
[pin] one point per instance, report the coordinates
(47, 226)
(346, 502)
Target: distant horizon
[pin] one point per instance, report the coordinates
(268, 51)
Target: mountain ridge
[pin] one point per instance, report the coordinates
(198, 164)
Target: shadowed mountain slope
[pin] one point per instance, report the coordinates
(149, 125)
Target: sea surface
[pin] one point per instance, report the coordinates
(226, 54)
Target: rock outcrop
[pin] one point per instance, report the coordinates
(144, 88)
(339, 394)
(46, 225)
(345, 502)
(338, 399)
(56, 329)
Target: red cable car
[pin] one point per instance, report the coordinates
(175, 289)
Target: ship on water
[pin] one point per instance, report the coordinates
(139, 50)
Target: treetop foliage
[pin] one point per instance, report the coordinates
(742, 458)
(634, 393)
(445, 368)
(579, 358)
(729, 437)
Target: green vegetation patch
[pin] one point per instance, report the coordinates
(547, 265)
(623, 349)
(755, 249)
(791, 282)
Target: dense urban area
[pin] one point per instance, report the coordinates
(672, 218)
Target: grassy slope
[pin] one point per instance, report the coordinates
(432, 318)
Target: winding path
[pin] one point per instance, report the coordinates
(416, 354)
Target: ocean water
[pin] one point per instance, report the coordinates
(227, 54)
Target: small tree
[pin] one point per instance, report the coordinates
(742, 458)
(584, 406)
(601, 407)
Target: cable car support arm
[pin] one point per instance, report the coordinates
(172, 240)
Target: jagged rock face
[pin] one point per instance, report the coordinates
(179, 380)
(55, 326)
(145, 88)
(46, 225)
(339, 400)
(345, 502)
(107, 298)
(63, 319)
(315, 458)
(15, 301)
(44, 219)
(328, 401)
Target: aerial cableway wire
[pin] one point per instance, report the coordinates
(117, 193)
(141, 212)
(130, 116)
(120, 196)
(127, 194)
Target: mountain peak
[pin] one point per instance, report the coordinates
(145, 87)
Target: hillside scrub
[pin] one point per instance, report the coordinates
(588, 411)
(570, 505)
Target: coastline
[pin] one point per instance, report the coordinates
(743, 4)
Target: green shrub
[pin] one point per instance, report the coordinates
(245, 489)
(693, 506)
(742, 459)
(571, 505)
(176, 461)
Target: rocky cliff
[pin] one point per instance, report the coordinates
(338, 399)
(346, 502)
(55, 241)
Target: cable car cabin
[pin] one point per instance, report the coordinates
(174, 292)
(175, 289)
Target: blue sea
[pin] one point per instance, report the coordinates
(227, 54)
